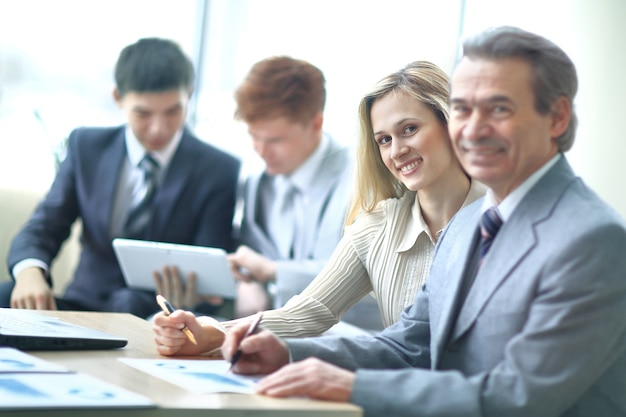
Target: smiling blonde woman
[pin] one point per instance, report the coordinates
(409, 185)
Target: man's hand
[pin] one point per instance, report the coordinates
(312, 378)
(262, 352)
(248, 265)
(32, 291)
(169, 284)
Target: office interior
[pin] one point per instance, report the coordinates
(56, 63)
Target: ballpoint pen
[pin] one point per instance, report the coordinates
(251, 329)
(169, 309)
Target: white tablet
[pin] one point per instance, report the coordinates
(138, 259)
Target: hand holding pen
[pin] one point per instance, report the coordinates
(254, 325)
(262, 351)
(169, 309)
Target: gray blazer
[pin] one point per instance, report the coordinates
(332, 187)
(542, 331)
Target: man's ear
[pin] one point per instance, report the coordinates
(318, 121)
(117, 96)
(561, 114)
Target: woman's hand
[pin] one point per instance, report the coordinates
(171, 340)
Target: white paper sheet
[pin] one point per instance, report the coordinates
(16, 361)
(200, 376)
(28, 382)
(34, 390)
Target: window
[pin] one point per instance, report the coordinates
(354, 42)
(56, 72)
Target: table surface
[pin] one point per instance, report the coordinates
(171, 399)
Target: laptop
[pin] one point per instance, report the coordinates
(31, 330)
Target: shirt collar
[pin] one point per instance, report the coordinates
(416, 223)
(136, 151)
(414, 226)
(511, 201)
(303, 176)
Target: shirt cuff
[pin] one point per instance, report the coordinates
(28, 263)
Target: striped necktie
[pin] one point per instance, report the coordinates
(490, 223)
(141, 204)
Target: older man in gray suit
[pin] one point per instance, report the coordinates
(533, 325)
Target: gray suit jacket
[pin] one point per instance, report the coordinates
(332, 187)
(541, 333)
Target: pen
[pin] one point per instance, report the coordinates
(253, 326)
(169, 309)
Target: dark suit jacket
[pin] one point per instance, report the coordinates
(193, 205)
(542, 332)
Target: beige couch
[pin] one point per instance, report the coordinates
(16, 207)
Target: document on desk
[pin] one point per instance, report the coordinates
(69, 390)
(15, 361)
(28, 382)
(200, 376)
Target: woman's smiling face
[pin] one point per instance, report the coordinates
(414, 144)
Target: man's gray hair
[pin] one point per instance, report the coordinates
(554, 73)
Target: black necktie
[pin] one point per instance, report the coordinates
(141, 205)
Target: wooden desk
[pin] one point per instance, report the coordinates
(171, 400)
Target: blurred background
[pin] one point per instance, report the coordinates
(57, 58)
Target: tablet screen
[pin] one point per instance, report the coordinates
(138, 260)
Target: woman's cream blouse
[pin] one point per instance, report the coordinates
(386, 253)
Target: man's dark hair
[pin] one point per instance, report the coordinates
(153, 65)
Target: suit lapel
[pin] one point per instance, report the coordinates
(109, 167)
(256, 216)
(508, 249)
(329, 174)
(513, 243)
(463, 237)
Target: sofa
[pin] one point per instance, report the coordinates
(16, 207)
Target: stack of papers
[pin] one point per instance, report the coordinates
(27, 382)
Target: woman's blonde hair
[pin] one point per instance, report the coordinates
(425, 82)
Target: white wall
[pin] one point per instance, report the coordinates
(357, 42)
(56, 60)
(354, 42)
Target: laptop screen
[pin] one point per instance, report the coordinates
(31, 330)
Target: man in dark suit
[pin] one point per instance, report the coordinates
(188, 197)
(532, 325)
